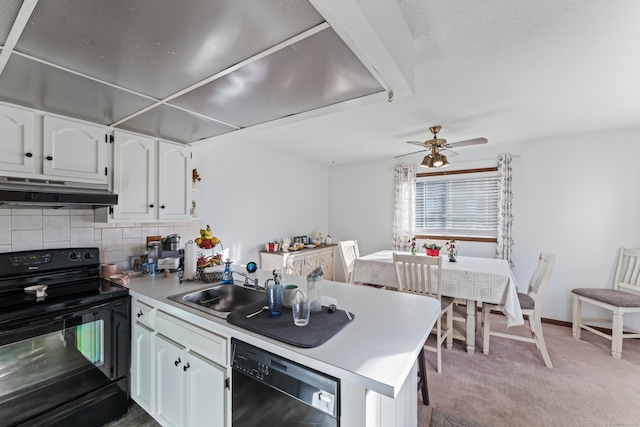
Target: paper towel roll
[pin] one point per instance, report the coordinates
(190, 260)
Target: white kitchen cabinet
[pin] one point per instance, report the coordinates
(205, 396)
(59, 150)
(152, 179)
(134, 176)
(142, 355)
(174, 181)
(142, 383)
(170, 379)
(74, 150)
(178, 369)
(17, 128)
(301, 262)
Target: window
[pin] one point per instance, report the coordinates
(457, 205)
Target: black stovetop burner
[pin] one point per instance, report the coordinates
(71, 276)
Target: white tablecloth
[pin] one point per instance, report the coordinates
(475, 279)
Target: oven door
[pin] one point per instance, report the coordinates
(52, 360)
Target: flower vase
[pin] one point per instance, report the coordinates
(433, 252)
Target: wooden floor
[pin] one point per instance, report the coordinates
(135, 417)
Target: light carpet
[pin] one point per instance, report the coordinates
(512, 387)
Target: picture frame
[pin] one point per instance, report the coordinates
(135, 262)
(300, 239)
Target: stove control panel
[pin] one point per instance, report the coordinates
(31, 259)
(47, 260)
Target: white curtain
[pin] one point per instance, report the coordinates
(405, 194)
(504, 248)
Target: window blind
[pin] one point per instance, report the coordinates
(463, 206)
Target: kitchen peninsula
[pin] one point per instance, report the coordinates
(374, 356)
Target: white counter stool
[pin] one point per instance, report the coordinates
(616, 300)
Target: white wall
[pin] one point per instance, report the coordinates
(250, 196)
(575, 196)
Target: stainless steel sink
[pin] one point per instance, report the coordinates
(220, 300)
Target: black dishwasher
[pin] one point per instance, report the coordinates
(270, 390)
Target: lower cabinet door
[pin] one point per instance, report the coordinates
(206, 392)
(142, 385)
(170, 381)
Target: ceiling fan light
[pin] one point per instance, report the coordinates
(427, 162)
(437, 160)
(445, 163)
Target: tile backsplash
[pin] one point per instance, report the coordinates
(28, 229)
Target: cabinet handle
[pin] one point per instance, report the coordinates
(162, 207)
(177, 362)
(49, 158)
(29, 154)
(140, 313)
(150, 206)
(186, 367)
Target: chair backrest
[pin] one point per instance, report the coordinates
(415, 274)
(628, 271)
(348, 253)
(541, 275)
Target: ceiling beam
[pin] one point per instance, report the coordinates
(378, 35)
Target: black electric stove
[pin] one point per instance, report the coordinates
(70, 331)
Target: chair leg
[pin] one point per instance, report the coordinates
(540, 342)
(616, 335)
(486, 327)
(439, 344)
(422, 382)
(577, 317)
(450, 328)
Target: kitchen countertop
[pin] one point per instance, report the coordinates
(376, 350)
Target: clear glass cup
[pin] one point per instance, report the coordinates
(274, 299)
(301, 309)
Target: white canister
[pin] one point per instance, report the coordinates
(190, 260)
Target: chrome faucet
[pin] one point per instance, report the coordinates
(248, 281)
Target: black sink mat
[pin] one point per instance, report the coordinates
(320, 328)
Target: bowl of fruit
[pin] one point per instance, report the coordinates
(207, 240)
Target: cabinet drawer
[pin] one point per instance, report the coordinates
(144, 314)
(206, 343)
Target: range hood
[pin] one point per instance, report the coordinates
(29, 193)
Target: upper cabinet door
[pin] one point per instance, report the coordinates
(74, 150)
(134, 176)
(174, 181)
(16, 128)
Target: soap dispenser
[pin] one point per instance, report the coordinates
(227, 275)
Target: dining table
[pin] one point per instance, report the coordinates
(469, 279)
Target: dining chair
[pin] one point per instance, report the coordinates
(348, 253)
(531, 305)
(415, 275)
(617, 300)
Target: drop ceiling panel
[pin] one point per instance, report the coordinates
(312, 73)
(8, 12)
(159, 47)
(171, 123)
(41, 86)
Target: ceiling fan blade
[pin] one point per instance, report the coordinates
(408, 154)
(468, 142)
(449, 153)
(421, 144)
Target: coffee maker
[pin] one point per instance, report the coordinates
(166, 254)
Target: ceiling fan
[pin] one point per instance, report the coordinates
(436, 145)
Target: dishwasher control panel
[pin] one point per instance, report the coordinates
(311, 387)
